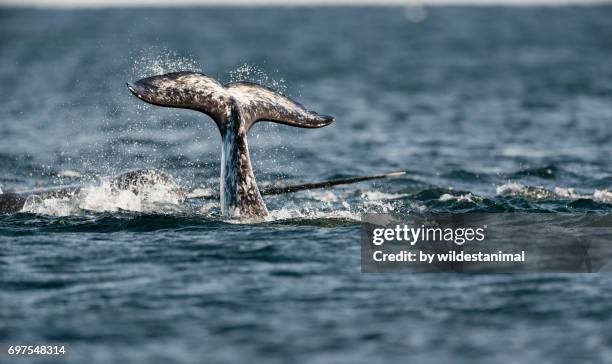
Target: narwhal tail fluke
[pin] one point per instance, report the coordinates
(185, 90)
(261, 103)
(234, 107)
(254, 102)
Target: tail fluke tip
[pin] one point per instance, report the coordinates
(132, 89)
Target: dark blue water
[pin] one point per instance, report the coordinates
(488, 109)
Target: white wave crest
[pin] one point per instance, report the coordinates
(602, 196)
(468, 197)
(531, 192)
(541, 193)
(312, 213)
(510, 188)
(377, 195)
(332, 206)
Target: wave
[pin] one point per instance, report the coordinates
(514, 188)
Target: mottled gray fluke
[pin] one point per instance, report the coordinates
(234, 107)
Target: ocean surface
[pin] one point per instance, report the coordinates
(488, 109)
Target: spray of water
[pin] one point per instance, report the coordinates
(159, 61)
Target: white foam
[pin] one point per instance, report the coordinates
(288, 213)
(539, 193)
(324, 196)
(569, 193)
(510, 188)
(209, 208)
(602, 196)
(377, 195)
(332, 206)
(530, 192)
(468, 197)
(49, 206)
(157, 197)
(69, 173)
(203, 192)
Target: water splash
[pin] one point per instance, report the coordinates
(68, 173)
(252, 73)
(330, 205)
(158, 197)
(156, 62)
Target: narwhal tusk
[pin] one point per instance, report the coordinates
(279, 190)
(334, 182)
